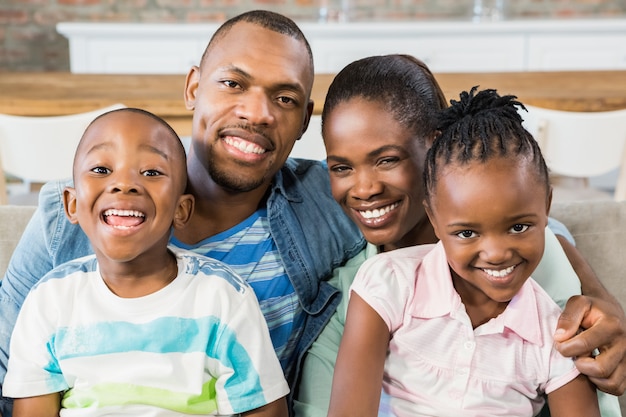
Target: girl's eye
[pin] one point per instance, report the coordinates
(466, 234)
(519, 228)
(100, 170)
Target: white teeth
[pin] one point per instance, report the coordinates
(246, 147)
(372, 214)
(123, 213)
(501, 273)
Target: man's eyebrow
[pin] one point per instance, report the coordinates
(294, 86)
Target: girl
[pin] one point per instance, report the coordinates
(462, 329)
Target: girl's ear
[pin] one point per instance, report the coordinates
(184, 211)
(549, 201)
(431, 217)
(69, 204)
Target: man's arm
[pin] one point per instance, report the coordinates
(603, 324)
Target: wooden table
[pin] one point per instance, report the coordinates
(42, 94)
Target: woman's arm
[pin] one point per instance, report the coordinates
(47, 405)
(357, 382)
(576, 398)
(603, 322)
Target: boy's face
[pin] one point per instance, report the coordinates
(491, 218)
(129, 174)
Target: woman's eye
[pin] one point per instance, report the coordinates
(339, 169)
(100, 170)
(466, 234)
(519, 228)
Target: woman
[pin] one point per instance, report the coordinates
(378, 122)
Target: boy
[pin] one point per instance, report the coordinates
(140, 328)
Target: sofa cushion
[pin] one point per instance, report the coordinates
(13, 220)
(599, 228)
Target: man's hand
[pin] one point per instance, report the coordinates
(589, 323)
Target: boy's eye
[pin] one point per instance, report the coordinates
(466, 234)
(100, 170)
(519, 228)
(151, 173)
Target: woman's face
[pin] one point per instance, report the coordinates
(375, 167)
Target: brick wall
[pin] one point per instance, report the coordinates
(29, 41)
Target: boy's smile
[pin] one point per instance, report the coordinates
(128, 170)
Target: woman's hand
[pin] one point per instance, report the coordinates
(588, 323)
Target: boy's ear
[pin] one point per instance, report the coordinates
(69, 204)
(184, 211)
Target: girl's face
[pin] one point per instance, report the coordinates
(375, 167)
(491, 218)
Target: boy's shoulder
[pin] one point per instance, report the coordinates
(201, 265)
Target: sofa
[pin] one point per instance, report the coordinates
(599, 227)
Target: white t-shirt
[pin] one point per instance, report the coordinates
(198, 346)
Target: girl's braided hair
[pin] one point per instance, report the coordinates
(480, 126)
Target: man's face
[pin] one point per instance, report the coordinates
(251, 103)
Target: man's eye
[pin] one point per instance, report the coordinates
(466, 234)
(286, 100)
(519, 228)
(231, 83)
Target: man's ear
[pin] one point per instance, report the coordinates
(307, 118)
(184, 210)
(69, 204)
(191, 87)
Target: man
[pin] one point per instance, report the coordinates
(274, 222)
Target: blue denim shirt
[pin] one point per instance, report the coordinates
(312, 234)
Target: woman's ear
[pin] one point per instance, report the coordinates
(184, 210)
(69, 204)
(432, 138)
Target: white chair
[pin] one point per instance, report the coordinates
(311, 144)
(581, 144)
(40, 149)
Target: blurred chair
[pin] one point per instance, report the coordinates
(580, 145)
(311, 144)
(34, 150)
